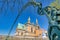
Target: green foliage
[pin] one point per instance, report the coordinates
(56, 4)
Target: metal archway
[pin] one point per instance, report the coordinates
(20, 11)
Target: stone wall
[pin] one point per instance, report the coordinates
(21, 38)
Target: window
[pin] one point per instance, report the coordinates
(31, 29)
(21, 33)
(35, 31)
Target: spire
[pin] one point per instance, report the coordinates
(36, 22)
(29, 20)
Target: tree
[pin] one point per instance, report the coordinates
(56, 4)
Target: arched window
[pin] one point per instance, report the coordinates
(21, 33)
(31, 29)
(35, 31)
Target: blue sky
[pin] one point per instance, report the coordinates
(7, 16)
